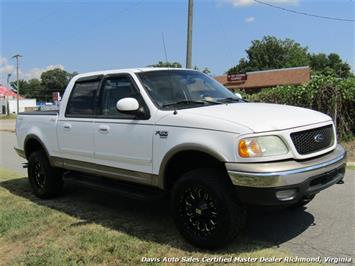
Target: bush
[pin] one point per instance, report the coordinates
(329, 95)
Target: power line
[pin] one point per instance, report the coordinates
(303, 13)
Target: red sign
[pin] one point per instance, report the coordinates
(237, 77)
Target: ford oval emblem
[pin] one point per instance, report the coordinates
(319, 138)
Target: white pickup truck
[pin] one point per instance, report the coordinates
(150, 130)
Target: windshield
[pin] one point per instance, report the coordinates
(184, 89)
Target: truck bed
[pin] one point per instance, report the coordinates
(42, 124)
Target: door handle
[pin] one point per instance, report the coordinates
(67, 126)
(104, 129)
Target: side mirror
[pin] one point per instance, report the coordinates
(127, 105)
(238, 95)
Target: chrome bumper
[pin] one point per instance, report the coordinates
(285, 173)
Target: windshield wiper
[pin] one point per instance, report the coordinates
(191, 102)
(230, 99)
(183, 102)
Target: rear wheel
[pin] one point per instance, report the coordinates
(205, 208)
(46, 181)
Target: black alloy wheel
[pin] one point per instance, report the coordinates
(198, 210)
(206, 209)
(46, 181)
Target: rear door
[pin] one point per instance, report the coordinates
(123, 141)
(75, 130)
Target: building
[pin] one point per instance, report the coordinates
(8, 102)
(252, 82)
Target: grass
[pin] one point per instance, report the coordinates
(350, 148)
(7, 117)
(90, 227)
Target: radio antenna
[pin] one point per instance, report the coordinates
(166, 54)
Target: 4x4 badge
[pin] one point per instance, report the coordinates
(162, 134)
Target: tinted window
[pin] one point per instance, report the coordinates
(83, 99)
(114, 90)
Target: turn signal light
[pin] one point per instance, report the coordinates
(248, 148)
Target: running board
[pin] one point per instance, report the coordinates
(125, 189)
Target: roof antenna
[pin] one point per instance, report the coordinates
(166, 54)
(175, 110)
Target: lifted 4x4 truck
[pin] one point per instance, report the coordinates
(150, 130)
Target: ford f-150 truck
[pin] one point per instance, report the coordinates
(150, 130)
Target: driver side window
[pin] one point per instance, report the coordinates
(115, 89)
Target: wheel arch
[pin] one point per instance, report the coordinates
(34, 143)
(182, 154)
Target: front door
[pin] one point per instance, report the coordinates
(123, 141)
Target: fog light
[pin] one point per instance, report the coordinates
(288, 194)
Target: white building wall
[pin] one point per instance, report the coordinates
(23, 104)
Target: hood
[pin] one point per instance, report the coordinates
(256, 117)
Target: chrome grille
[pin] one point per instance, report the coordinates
(313, 140)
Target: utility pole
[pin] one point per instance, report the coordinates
(189, 35)
(6, 99)
(17, 56)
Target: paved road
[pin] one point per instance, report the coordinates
(325, 228)
(7, 125)
(8, 156)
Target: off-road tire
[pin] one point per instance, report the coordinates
(46, 181)
(215, 207)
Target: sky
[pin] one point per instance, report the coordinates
(94, 35)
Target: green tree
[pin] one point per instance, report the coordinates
(23, 86)
(73, 74)
(271, 53)
(54, 80)
(35, 88)
(206, 70)
(167, 64)
(29, 88)
(329, 65)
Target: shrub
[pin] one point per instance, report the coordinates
(329, 95)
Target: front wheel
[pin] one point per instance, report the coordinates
(205, 208)
(46, 181)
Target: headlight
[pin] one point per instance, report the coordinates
(261, 146)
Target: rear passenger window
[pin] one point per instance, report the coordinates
(82, 100)
(114, 90)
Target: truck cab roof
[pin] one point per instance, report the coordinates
(127, 70)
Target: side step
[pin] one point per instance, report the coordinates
(125, 189)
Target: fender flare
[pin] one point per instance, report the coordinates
(35, 137)
(181, 148)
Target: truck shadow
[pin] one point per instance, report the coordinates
(150, 221)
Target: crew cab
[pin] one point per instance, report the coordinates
(180, 133)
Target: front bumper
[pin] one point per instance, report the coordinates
(259, 183)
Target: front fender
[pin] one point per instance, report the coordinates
(217, 144)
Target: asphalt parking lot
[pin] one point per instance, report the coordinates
(326, 227)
